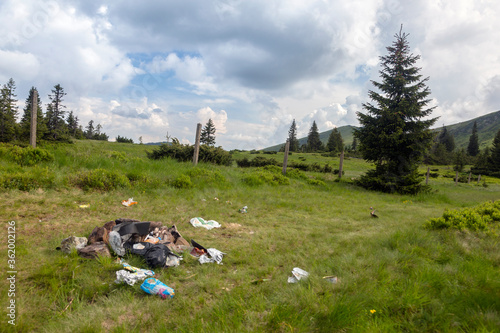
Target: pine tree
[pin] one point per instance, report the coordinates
(354, 145)
(473, 147)
(56, 125)
(72, 124)
(335, 142)
(494, 158)
(313, 141)
(447, 139)
(393, 134)
(292, 137)
(208, 134)
(25, 124)
(90, 131)
(8, 112)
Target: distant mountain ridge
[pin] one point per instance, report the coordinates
(487, 127)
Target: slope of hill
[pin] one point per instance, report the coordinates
(487, 127)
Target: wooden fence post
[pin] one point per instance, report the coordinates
(470, 175)
(456, 178)
(341, 164)
(197, 144)
(34, 112)
(478, 178)
(285, 158)
(427, 176)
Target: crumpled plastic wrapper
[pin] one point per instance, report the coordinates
(298, 274)
(129, 277)
(213, 255)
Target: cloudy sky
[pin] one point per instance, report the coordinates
(148, 68)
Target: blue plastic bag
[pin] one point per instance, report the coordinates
(156, 287)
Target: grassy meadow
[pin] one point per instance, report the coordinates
(393, 275)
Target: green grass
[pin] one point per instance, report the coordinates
(416, 279)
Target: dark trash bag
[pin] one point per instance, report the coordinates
(155, 254)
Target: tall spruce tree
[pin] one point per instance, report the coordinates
(335, 142)
(393, 134)
(494, 157)
(56, 125)
(25, 124)
(313, 141)
(207, 135)
(8, 112)
(473, 147)
(447, 139)
(292, 137)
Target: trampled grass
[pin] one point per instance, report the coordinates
(393, 274)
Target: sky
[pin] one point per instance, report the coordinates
(159, 67)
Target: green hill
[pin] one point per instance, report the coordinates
(487, 127)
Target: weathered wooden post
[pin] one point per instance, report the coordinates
(478, 178)
(470, 175)
(285, 158)
(456, 178)
(197, 144)
(34, 109)
(341, 164)
(427, 176)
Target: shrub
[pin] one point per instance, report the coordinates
(185, 153)
(26, 181)
(123, 139)
(258, 161)
(116, 155)
(27, 156)
(485, 217)
(182, 181)
(262, 176)
(100, 179)
(314, 181)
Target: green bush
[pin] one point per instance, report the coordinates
(258, 161)
(263, 176)
(25, 181)
(185, 153)
(27, 156)
(485, 217)
(314, 181)
(116, 155)
(100, 179)
(182, 181)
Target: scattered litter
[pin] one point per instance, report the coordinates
(129, 202)
(216, 199)
(131, 274)
(297, 275)
(173, 260)
(203, 199)
(115, 241)
(213, 255)
(155, 287)
(332, 279)
(229, 202)
(244, 209)
(152, 240)
(259, 281)
(138, 246)
(93, 251)
(200, 222)
(84, 206)
(72, 242)
(133, 269)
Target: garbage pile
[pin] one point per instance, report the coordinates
(159, 245)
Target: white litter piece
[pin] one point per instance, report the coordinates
(129, 277)
(297, 275)
(200, 222)
(213, 255)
